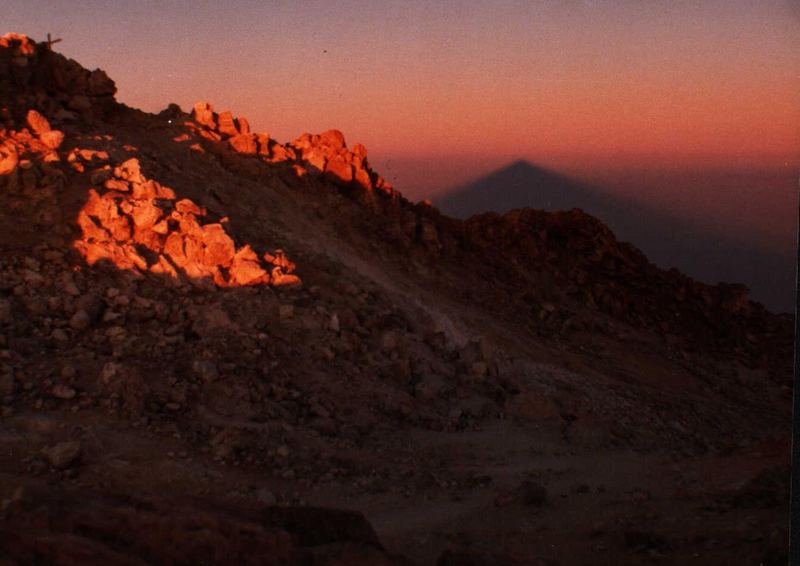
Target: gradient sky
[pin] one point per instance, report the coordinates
(442, 91)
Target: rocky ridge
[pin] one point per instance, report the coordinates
(145, 296)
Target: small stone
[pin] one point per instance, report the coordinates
(64, 454)
(111, 316)
(59, 335)
(71, 289)
(109, 372)
(206, 370)
(116, 332)
(286, 311)
(79, 320)
(32, 278)
(117, 185)
(61, 391)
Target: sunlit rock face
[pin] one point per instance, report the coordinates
(30, 178)
(319, 154)
(138, 224)
(127, 219)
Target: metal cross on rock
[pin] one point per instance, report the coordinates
(51, 41)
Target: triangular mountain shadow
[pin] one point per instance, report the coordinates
(667, 240)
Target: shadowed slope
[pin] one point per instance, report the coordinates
(669, 241)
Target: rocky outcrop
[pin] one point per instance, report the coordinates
(43, 79)
(325, 154)
(138, 224)
(30, 177)
(121, 530)
(129, 220)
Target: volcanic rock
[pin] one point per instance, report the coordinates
(64, 454)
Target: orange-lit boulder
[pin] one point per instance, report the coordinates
(164, 267)
(204, 115)
(280, 279)
(278, 258)
(340, 169)
(226, 125)
(281, 153)
(145, 214)
(362, 178)
(37, 123)
(186, 206)
(315, 159)
(246, 269)
(8, 158)
(130, 170)
(91, 230)
(244, 143)
(263, 144)
(333, 139)
(52, 139)
(173, 248)
(219, 247)
(117, 185)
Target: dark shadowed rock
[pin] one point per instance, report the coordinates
(315, 526)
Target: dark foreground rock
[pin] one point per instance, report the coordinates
(49, 527)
